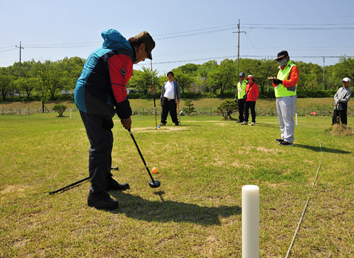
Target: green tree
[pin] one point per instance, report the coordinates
(142, 80)
(26, 84)
(44, 80)
(224, 77)
(204, 69)
(57, 80)
(72, 68)
(311, 76)
(261, 70)
(190, 69)
(184, 79)
(332, 82)
(6, 85)
(345, 67)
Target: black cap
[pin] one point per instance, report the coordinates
(282, 54)
(241, 74)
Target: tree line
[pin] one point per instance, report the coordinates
(47, 79)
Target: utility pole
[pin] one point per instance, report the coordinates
(20, 47)
(324, 58)
(238, 46)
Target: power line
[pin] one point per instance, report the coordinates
(300, 28)
(188, 31)
(232, 56)
(193, 34)
(251, 43)
(2, 51)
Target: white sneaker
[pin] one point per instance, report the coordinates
(244, 123)
(253, 123)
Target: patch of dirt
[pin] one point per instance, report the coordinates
(340, 129)
(272, 151)
(222, 124)
(238, 165)
(162, 129)
(13, 188)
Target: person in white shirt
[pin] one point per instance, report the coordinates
(341, 99)
(170, 96)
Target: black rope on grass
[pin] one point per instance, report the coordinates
(303, 213)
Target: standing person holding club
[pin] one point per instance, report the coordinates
(170, 97)
(100, 93)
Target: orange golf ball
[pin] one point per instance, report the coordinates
(154, 170)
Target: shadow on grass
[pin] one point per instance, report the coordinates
(166, 211)
(324, 149)
(268, 125)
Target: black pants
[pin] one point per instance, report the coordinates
(168, 105)
(98, 129)
(342, 115)
(241, 104)
(250, 105)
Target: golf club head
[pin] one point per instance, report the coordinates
(155, 185)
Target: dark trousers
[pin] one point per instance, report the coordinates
(168, 105)
(241, 104)
(342, 115)
(98, 129)
(250, 105)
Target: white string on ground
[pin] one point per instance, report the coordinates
(303, 213)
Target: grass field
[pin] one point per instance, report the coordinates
(197, 210)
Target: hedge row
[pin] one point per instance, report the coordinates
(190, 95)
(264, 95)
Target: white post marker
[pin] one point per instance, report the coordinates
(250, 221)
(296, 117)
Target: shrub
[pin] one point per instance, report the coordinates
(189, 107)
(227, 108)
(60, 109)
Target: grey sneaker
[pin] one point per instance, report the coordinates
(253, 124)
(244, 123)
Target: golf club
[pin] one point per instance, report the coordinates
(179, 115)
(153, 183)
(68, 186)
(78, 182)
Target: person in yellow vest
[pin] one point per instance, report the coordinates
(241, 87)
(285, 92)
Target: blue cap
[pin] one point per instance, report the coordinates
(241, 74)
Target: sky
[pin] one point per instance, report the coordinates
(191, 31)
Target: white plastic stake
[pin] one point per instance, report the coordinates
(296, 117)
(250, 221)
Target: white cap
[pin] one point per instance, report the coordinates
(346, 79)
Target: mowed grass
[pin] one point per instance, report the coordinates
(197, 210)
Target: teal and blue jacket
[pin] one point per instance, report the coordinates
(102, 84)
